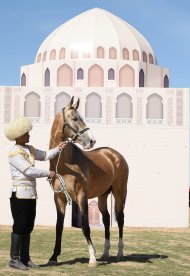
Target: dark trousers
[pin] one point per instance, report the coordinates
(23, 213)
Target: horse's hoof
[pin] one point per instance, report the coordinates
(119, 258)
(92, 264)
(51, 263)
(104, 257)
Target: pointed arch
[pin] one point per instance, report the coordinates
(166, 81)
(154, 107)
(47, 77)
(61, 100)
(93, 106)
(125, 53)
(62, 53)
(44, 56)
(151, 59)
(23, 80)
(135, 55)
(80, 74)
(126, 76)
(94, 213)
(124, 108)
(111, 74)
(96, 76)
(52, 54)
(141, 78)
(100, 52)
(144, 57)
(112, 53)
(64, 75)
(39, 58)
(32, 105)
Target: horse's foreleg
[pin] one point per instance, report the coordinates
(83, 206)
(102, 204)
(59, 230)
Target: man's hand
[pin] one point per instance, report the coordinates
(62, 145)
(52, 174)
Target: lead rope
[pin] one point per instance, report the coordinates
(62, 183)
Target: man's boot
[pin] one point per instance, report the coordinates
(14, 252)
(24, 252)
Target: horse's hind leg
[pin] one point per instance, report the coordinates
(102, 204)
(83, 206)
(119, 213)
(60, 207)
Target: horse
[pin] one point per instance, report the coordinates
(87, 174)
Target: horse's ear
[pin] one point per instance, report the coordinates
(77, 104)
(72, 100)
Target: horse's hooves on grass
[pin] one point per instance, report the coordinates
(92, 264)
(52, 263)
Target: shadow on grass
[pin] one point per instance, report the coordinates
(140, 258)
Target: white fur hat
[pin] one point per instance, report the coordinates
(17, 128)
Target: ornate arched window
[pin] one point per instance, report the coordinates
(32, 105)
(64, 75)
(62, 53)
(151, 59)
(93, 106)
(154, 109)
(44, 56)
(93, 213)
(126, 76)
(23, 80)
(135, 55)
(52, 54)
(144, 57)
(166, 81)
(124, 108)
(100, 52)
(111, 74)
(95, 76)
(39, 58)
(125, 53)
(61, 100)
(47, 78)
(80, 74)
(112, 53)
(141, 78)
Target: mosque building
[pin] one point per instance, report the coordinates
(126, 101)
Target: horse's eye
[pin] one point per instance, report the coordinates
(75, 119)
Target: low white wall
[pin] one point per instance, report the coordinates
(158, 184)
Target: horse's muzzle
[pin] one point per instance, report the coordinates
(90, 145)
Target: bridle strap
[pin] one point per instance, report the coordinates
(77, 133)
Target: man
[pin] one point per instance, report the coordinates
(23, 191)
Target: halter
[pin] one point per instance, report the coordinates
(77, 133)
(62, 183)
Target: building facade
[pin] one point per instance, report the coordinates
(125, 99)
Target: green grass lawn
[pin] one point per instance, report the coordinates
(147, 252)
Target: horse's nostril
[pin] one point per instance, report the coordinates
(92, 142)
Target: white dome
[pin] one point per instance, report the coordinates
(91, 29)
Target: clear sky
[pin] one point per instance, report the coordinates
(24, 24)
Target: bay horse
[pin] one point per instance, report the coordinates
(87, 174)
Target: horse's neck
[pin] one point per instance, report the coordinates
(56, 135)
